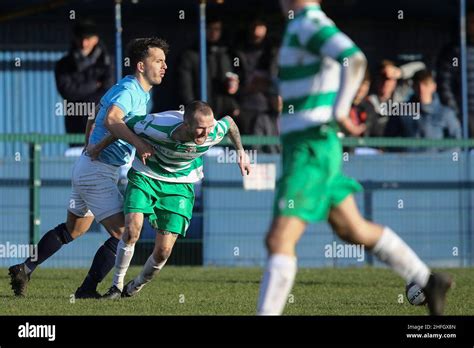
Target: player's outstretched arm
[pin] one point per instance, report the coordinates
(117, 127)
(93, 150)
(234, 134)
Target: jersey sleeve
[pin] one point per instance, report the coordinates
(223, 126)
(220, 130)
(132, 121)
(322, 37)
(123, 99)
(157, 127)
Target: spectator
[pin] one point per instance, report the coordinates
(84, 74)
(449, 74)
(362, 111)
(436, 120)
(255, 58)
(222, 82)
(392, 87)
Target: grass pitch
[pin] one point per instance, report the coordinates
(231, 291)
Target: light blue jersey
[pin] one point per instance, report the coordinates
(130, 97)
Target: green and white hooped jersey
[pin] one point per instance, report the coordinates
(173, 161)
(310, 59)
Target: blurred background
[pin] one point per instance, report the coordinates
(418, 176)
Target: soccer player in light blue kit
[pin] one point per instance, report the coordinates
(95, 193)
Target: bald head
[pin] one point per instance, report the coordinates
(197, 109)
(199, 121)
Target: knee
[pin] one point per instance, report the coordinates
(132, 233)
(274, 243)
(162, 254)
(342, 230)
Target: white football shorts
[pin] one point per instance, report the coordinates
(94, 189)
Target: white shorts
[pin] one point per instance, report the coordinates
(94, 189)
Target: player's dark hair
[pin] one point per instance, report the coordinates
(196, 106)
(138, 49)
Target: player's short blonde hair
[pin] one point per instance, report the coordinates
(194, 107)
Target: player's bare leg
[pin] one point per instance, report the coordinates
(104, 258)
(77, 226)
(280, 272)
(164, 243)
(284, 233)
(115, 225)
(48, 245)
(125, 250)
(347, 222)
(351, 227)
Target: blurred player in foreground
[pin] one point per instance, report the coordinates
(162, 189)
(320, 70)
(94, 183)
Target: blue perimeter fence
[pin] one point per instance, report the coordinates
(425, 195)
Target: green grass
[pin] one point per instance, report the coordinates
(231, 291)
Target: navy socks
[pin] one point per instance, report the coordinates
(49, 244)
(104, 261)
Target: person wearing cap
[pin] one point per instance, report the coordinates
(83, 75)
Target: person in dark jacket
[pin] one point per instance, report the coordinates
(449, 74)
(252, 54)
(433, 120)
(222, 82)
(436, 121)
(83, 75)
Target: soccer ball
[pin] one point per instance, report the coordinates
(415, 294)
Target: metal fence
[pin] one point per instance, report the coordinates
(425, 196)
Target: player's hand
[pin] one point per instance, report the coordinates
(144, 150)
(244, 163)
(92, 151)
(354, 129)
